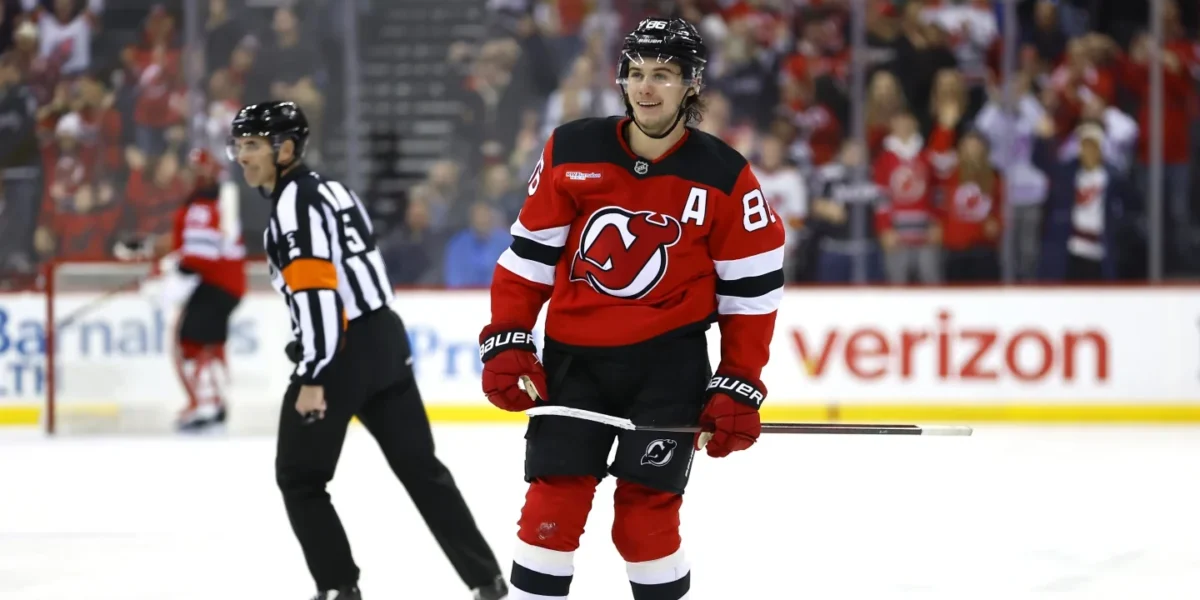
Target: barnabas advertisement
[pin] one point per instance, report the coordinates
(125, 342)
(902, 347)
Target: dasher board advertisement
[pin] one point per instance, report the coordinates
(986, 354)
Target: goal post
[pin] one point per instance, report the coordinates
(107, 335)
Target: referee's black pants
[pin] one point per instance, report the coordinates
(372, 378)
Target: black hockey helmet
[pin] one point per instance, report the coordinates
(276, 121)
(664, 41)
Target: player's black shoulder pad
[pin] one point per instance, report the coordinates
(703, 158)
(589, 140)
(707, 159)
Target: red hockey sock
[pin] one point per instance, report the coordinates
(218, 374)
(646, 533)
(645, 522)
(552, 521)
(555, 512)
(188, 366)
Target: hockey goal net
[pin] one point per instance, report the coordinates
(108, 365)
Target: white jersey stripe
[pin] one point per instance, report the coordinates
(529, 269)
(553, 236)
(751, 266)
(760, 305)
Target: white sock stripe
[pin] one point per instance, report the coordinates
(518, 594)
(663, 570)
(549, 562)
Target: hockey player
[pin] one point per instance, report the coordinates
(208, 242)
(207, 273)
(639, 232)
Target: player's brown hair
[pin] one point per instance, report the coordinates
(694, 108)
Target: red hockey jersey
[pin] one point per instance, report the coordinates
(627, 250)
(908, 173)
(968, 209)
(205, 247)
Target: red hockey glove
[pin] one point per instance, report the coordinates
(509, 361)
(731, 415)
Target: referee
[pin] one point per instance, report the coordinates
(352, 359)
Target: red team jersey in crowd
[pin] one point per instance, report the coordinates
(906, 176)
(968, 207)
(206, 248)
(627, 250)
(909, 174)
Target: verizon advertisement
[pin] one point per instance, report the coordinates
(911, 348)
(987, 346)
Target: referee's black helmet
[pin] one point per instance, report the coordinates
(277, 121)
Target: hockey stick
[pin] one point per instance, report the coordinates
(810, 428)
(100, 301)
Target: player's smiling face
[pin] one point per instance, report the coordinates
(656, 91)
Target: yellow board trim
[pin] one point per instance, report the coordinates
(981, 412)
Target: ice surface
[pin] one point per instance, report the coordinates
(1009, 513)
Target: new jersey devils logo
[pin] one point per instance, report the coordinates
(907, 184)
(971, 204)
(623, 253)
(659, 453)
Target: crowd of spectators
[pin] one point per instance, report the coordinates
(955, 160)
(95, 121)
(98, 112)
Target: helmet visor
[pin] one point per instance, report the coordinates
(235, 144)
(231, 149)
(655, 68)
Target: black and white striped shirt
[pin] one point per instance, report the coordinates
(324, 261)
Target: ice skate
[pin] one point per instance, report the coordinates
(496, 590)
(343, 593)
(204, 418)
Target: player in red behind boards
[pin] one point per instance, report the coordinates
(212, 250)
(211, 261)
(640, 232)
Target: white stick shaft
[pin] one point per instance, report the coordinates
(579, 413)
(945, 430)
(800, 428)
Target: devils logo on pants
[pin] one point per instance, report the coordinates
(623, 253)
(659, 453)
